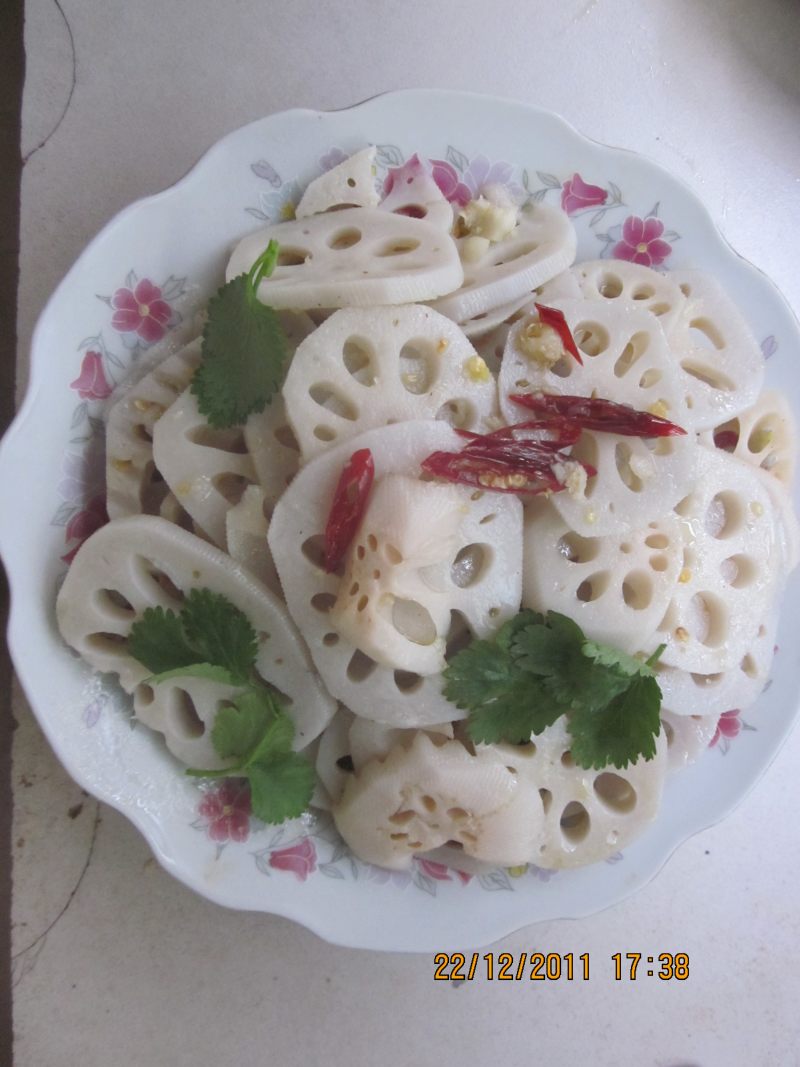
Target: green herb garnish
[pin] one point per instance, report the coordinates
(536, 669)
(243, 351)
(211, 638)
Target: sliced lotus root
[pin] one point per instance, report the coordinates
(142, 562)
(184, 711)
(356, 257)
(133, 484)
(732, 566)
(688, 737)
(369, 367)
(350, 183)
(370, 740)
(207, 468)
(608, 280)
(246, 538)
(333, 764)
(722, 363)
(687, 694)
(506, 314)
(273, 448)
(588, 814)
(616, 587)
(764, 436)
(417, 195)
(434, 791)
(481, 577)
(542, 244)
(625, 359)
(565, 286)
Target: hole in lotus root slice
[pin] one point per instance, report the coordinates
(231, 486)
(457, 413)
(346, 238)
(609, 285)
(564, 367)
(399, 247)
(413, 621)
(615, 792)
(407, 682)
(637, 590)
(358, 357)
(284, 435)
(183, 717)
(643, 292)
(547, 799)
(109, 643)
(575, 822)
(292, 257)
(163, 581)
(591, 338)
(360, 666)
(650, 378)
(325, 433)
(330, 640)
(577, 549)
(459, 635)
(622, 458)
(631, 353)
(739, 571)
(704, 334)
(313, 548)
(709, 375)
(749, 666)
(153, 489)
(594, 587)
(725, 516)
(113, 604)
(226, 440)
(323, 601)
(708, 620)
(144, 695)
(328, 396)
(470, 564)
(659, 563)
(417, 366)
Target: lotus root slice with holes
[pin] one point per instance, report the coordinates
(369, 367)
(144, 562)
(357, 257)
(541, 245)
(350, 183)
(616, 587)
(474, 569)
(435, 791)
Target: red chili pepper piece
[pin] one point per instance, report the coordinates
(349, 504)
(547, 433)
(553, 317)
(605, 416)
(487, 474)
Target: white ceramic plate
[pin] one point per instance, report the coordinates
(51, 475)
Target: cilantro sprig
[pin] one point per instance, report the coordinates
(243, 350)
(536, 669)
(211, 638)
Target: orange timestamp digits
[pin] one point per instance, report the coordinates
(670, 965)
(505, 967)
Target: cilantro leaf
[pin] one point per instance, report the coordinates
(157, 641)
(239, 726)
(613, 657)
(504, 703)
(195, 670)
(220, 633)
(281, 788)
(244, 350)
(625, 729)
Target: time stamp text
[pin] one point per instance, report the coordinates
(556, 966)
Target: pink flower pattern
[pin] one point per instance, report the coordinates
(142, 311)
(729, 726)
(577, 195)
(83, 524)
(441, 873)
(91, 383)
(227, 811)
(300, 859)
(641, 241)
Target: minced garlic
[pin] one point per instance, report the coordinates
(476, 370)
(482, 218)
(540, 343)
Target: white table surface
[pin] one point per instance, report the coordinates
(116, 962)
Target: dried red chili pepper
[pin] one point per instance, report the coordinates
(605, 416)
(553, 317)
(349, 503)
